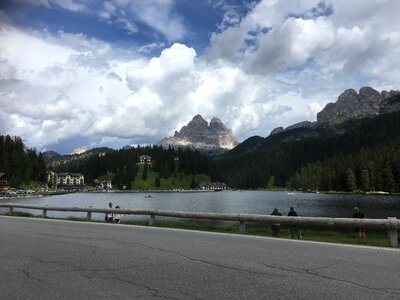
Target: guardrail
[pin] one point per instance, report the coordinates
(392, 225)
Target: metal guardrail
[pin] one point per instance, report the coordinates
(392, 225)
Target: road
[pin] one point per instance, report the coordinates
(52, 259)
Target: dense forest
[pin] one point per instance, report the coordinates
(360, 154)
(122, 164)
(356, 155)
(21, 165)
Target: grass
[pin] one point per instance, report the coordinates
(344, 236)
(179, 180)
(21, 214)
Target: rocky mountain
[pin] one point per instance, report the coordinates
(49, 155)
(59, 160)
(368, 102)
(350, 105)
(198, 134)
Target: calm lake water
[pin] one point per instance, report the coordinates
(257, 202)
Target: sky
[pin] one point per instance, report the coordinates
(89, 73)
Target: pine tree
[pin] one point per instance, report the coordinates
(365, 180)
(351, 180)
(157, 182)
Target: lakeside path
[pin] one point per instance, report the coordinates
(54, 259)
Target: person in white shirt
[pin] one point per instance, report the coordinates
(118, 217)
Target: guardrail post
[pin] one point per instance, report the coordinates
(11, 210)
(44, 214)
(152, 220)
(242, 227)
(392, 233)
(89, 216)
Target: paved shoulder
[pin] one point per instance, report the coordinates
(48, 259)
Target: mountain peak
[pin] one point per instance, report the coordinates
(199, 134)
(350, 104)
(217, 125)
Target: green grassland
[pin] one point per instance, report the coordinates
(179, 180)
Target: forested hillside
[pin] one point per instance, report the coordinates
(21, 165)
(338, 157)
(122, 166)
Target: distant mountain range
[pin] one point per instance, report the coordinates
(54, 159)
(216, 139)
(353, 146)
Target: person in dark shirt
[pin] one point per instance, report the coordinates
(276, 227)
(294, 229)
(360, 231)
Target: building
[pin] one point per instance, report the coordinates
(68, 179)
(103, 185)
(52, 179)
(56, 180)
(144, 160)
(3, 179)
(213, 186)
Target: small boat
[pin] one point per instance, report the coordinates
(148, 196)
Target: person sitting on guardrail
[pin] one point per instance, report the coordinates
(360, 231)
(108, 217)
(118, 217)
(294, 229)
(276, 227)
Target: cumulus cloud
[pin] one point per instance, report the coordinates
(277, 65)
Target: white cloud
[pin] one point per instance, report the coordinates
(278, 65)
(65, 4)
(157, 14)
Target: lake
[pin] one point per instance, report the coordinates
(252, 202)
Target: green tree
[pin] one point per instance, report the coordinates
(350, 180)
(193, 183)
(388, 180)
(271, 182)
(144, 174)
(365, 180)
(157, 182)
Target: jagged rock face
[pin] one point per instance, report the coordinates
(304, 124)
(49, 155)
(368, 102)
(390, 102)
(200, 135)
(277, 130)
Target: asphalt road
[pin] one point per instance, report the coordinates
(50, 259)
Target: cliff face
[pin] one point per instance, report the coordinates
(199, 134)
(352, 105)
(368, 102)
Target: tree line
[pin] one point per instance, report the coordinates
(358, 154)
(122, 164)
(21, 165)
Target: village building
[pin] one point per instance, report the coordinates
(103, 185)
(213, 186)
(67, 180)
(3, 179)
(144, 160)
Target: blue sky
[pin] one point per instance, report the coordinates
(109, 73)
